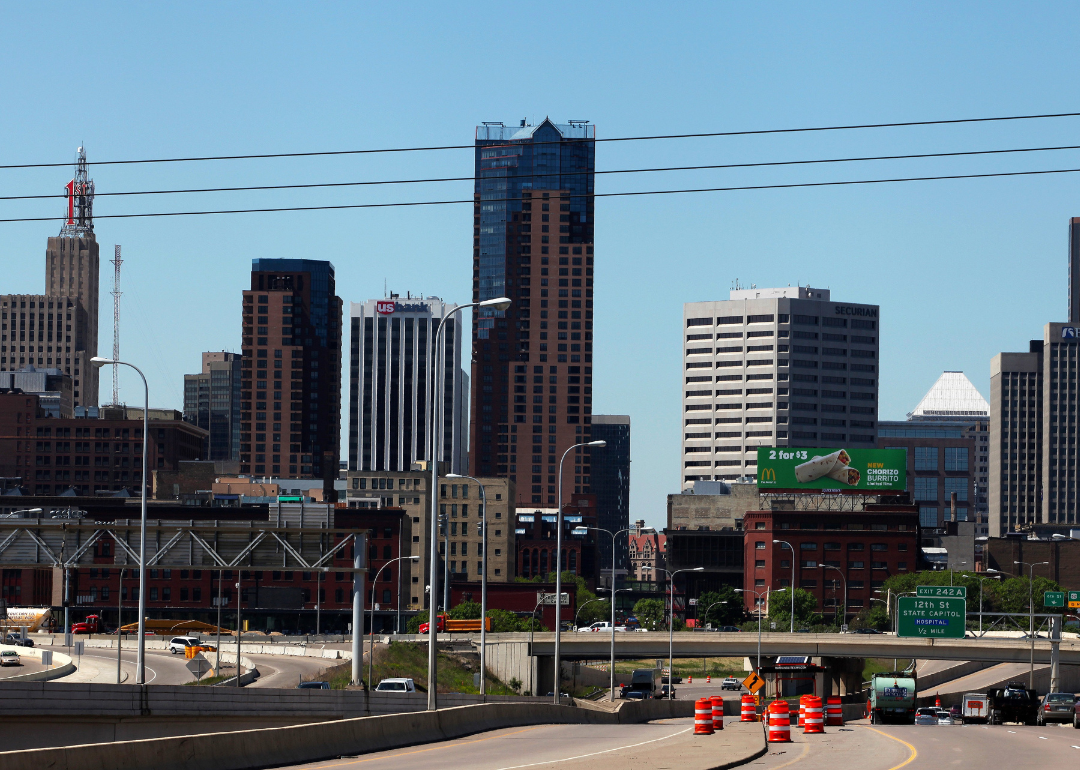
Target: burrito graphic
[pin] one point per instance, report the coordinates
(845, 474)
(814, 469)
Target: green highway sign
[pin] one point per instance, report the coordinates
(939, 618)
(1053, 598)
(832, 469)
(1074, 600)
(957, 592)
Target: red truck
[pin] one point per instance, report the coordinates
(92, 625)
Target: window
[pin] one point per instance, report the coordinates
(956, 458)
(759, 545)
(926, 488)
(759, 563)
(957, 485)
(832, 546)
(808, 564)
(878, 565)
(759, 525)
(856, 546)
(879, 546)
(807, 546)
(807, 584)
(928, 516)
(926, 458)
(856, 565)
(759, 582)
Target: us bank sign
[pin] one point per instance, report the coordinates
(1069, 333)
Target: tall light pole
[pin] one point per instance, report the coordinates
(558, 565)
(1031, 614)
(829, 566)
(951, 571)
(709, 609)
(371, 616)
(793, 558)
(614, 592)
(483, 579)
(500, 304)
(995, 576)
(614, 538)
(140, 663)
(671, 623)
(757, 606)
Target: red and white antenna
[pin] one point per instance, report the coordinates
(80, 200)
(116, 327)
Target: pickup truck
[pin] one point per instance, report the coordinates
(602, 626)
(1012, 703)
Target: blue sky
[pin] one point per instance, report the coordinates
(961, 269)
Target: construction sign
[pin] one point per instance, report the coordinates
(754, 682)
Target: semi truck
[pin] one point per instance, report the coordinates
(1012, 703)
(446, 625)
(642, 684)
(892, 698)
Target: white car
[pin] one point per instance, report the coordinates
(601, 625)
(178, 643)
(396, 685)
(10, 658)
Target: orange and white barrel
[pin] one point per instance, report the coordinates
(749, 711)
(717, 712)
(779, 722)
(813, 716)
(689, 680)
(708, 679)
(703, 717)
(834, 712)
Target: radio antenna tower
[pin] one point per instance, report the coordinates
(116, 327)
(80, 200)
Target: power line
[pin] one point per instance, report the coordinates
(557, 196)
(700, 135)
(433, 180)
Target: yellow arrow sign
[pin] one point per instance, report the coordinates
(753, 683)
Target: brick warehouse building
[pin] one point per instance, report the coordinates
(865, 546)
(535, 537)
(88, 454)
(270, 599)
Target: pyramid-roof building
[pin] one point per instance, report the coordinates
(952, 397)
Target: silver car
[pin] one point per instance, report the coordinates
(1056, 707)
(926, 716)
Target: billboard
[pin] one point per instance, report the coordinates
(863, 470)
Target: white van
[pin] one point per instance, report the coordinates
(396, 685)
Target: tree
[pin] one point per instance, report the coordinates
(650, 613)
(465, 611)
(720, 608)
(805, 607)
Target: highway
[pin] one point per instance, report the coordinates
(670, 743)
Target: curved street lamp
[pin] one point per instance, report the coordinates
(1031, 613)
(140, 663)
(371, 615)
(500, 304)
(757, 606)
(558, 566)
(792, 582)
(671, 622)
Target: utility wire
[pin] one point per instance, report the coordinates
(557, 196)
(557, 174)
(563, 142)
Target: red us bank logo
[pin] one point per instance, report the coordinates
(385, 308)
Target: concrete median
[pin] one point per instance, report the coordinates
(246, 749)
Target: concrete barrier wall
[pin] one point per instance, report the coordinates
(62, 665)
(308, 743)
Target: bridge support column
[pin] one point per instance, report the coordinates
(1055, 652)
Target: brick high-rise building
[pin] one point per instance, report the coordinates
(290, 409)
(532, 364)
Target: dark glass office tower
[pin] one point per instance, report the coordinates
(532, 365)
(290, 410)
(611, 485)
(212, 401)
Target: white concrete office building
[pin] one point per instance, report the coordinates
(775, 367)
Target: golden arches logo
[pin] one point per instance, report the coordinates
(767, 474)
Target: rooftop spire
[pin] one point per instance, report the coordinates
(80, 201)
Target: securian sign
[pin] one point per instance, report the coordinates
(832, 469)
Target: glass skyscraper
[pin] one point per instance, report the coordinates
(532, 364)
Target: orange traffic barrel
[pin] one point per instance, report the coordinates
(937, 701)
(703, 717)
(813, 718)
(749, 710)
(717, 712)
(708, 679)
(779, 722)
(690, 680)
(834, 712)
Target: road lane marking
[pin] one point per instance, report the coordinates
(597, 753)
(430, 748)
(909, 760)
(800, 758)
(1042, 737)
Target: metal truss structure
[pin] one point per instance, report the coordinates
(69, 543)
(816, 501)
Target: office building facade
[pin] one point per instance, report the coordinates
(532, 364)
(786, 367)
(51, 385)
(611, 485)
(212, 401)
(390, 367)
(290, 408)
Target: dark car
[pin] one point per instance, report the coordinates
(677, 679)
(1057, 707)
(662, 693)
(313, 686)
(18, 641)
(865, 631)
(729, 629)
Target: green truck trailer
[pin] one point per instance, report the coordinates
(892, 698)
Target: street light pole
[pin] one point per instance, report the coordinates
(671, 623)
(371, 616)
(1031, 614)
(829, 566)
(614, 539)
(499, 304)
(792, 582)
(483, 579)
(558, 565)
(757, 606)
(994, 577)
(709, 609)
(140, 662)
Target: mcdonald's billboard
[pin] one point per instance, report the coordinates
(862, 470)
